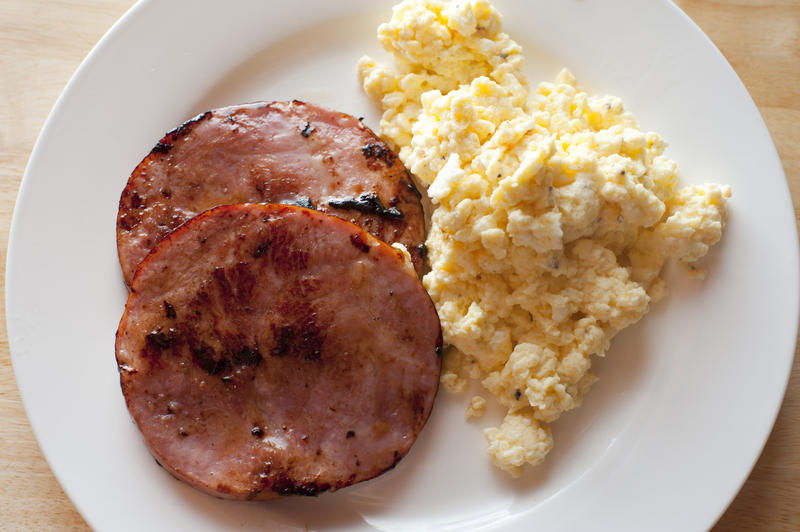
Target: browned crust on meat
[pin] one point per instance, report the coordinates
(185, 173)
(242, 367)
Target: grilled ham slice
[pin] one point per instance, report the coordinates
(294, 153)
(271, 350)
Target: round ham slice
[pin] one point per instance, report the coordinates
(272, 350)
(295, 153)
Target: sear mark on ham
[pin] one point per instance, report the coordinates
(166, 143)
(169, 310)
(286, 361)
(300, 201)
(291, 153)
(368, 204)
(304, 340)
(380, 152)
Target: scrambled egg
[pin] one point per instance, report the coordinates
(553, 213)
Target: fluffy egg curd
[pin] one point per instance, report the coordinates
(553, 213)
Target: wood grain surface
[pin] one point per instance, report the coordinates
(43, 42)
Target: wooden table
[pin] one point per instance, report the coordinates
(41, 44)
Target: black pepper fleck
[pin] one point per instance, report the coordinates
(307, 130)
(261, 249)
(359, 243)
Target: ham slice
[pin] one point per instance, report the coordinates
(294, 153)
(271, 350)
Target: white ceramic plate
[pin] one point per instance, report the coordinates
(686, 398)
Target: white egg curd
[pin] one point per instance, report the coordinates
(553, 213)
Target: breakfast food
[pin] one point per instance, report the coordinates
(270, 350)
(293, 152)
(553, 213)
